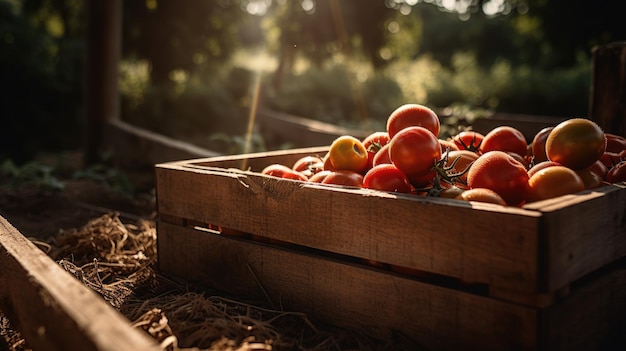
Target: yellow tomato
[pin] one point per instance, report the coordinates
(348, 153)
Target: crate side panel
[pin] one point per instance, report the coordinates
(584, 233)
(591, 317)
(476, 243)
(348, 295)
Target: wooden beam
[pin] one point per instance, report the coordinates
(103, 45)
(52, 309)
(607, 105)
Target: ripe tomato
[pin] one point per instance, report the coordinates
(481, 195)
(617, 173)
(308, 165)
(468, 140)
(590, 178)
(552, 182)
(599, 168)
(348, 153)
(424, 181)
(461, 159)
(386, 177)
(319, 176)
(373, 143)
(414, 150)
(610, 159)
(576, 143)
(282, 171)
(447, 145)
(500, 172)
(382, 156)
(344, 177)
(409, 115)
(538, 145)
(504, 138)
(615, 143)
(541, 165)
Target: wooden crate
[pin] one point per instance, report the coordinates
(449, 274)
(52, 309)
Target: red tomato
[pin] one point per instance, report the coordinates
(382, 156)
(590, 178)
(538, 145)
(414, 150)
(617, 173)
(348, 153)
(373, 143)
(599, 168)
(552, 182)
(576, 143)
(344, 177)
(615, 143)
(481, 195)
(308, 164)
(386, 177)
(541, 165)
(468, 140)
(447, 145)
(424, 181)
(282, 171)
(409, 115)
(319, 176)
(610, 159)
(461, 159)
(500, 172)
(504, 138)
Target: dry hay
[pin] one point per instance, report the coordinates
(117, 259)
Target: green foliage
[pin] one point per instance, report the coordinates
(46, 177)
(337, 94)
(40, 86)
(111, 177)
(30, 174)
(202, 104)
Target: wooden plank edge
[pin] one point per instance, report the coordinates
(135, 147)
(52, 309)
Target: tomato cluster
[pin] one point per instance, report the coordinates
(498, 167)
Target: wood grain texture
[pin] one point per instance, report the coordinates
(537, 249)
(592, 316)
(607, 103)
(477, 243)
(52, 309)
(347, 294)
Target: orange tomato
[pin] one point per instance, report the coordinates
(552, 182)
(576, 143)
(348, 153)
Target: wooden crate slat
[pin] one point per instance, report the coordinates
(52, 309)
(474, 242)
(347, 294)
(591, 317)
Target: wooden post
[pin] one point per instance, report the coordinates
(607, 105)
(103, 45)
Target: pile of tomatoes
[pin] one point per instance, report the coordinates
(499, 167)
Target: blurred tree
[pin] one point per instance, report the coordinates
(40, 65)
(180, 34)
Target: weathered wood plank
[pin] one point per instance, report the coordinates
(607, 104)
(477, 243)
(52, 309)
(347, 294)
